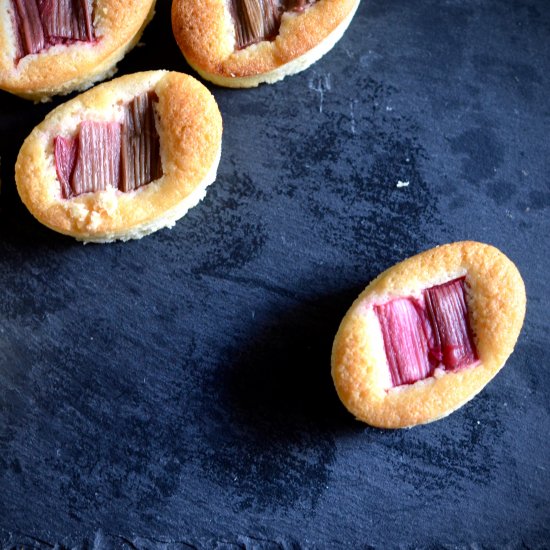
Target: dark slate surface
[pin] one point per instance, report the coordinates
(175, 392)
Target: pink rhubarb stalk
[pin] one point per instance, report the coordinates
(406, 339)
(108, 154)
(448, 313)
(421, 335)
(257, 20)
(45, 23)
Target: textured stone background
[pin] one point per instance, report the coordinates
(175, 392)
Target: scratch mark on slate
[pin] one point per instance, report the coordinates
(320, 84)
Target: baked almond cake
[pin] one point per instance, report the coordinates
(428, 334)
(50, 47)
(242, 43)
(123, 159)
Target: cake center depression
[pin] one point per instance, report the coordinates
(257, 20)
(124, 155)
(41, 24)
(429, 332)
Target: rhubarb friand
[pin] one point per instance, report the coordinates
(428, 334)
(50, 47)
(242, 43)
(124, 159)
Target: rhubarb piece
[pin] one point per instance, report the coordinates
(67, 21)
(45, 23)
(29, 23)
(299, 5)
(407, 326)
(140, 146)
(407, 334)
(65, 157)
(107, 154)
(448, 313)
(255, 20)
(97, 163)
(267, 39)
(421, 336)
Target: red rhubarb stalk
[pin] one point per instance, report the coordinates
(434, 331)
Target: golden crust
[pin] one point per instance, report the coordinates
(496, 302)
(205, 34)
(62, 69)
(190, 130)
